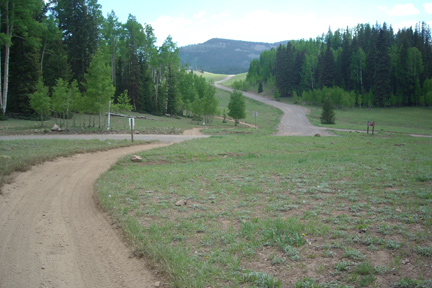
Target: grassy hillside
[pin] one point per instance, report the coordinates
(265, 211)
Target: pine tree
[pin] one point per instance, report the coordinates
(382, 88)
(327, 114)
(328, 68)
(260, 87)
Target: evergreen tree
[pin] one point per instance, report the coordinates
(382, 88)
(327, 114)
(260, 87)
(345, 63)
(328, 68)
(24, 75)
(80, 22)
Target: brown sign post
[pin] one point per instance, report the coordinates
(371, 124)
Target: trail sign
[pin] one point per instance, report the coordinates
(131, 125)
(255, 115)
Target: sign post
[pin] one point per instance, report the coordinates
(131, 125)
(255, 115)
(109, 114)
(371, 124)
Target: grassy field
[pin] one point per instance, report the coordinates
(267, 120)
(238, 77)
(262, 211)
(85, 124)
(20, 155)
(410, 120)
(211, 76)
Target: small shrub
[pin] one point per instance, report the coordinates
(327, 114)
(260, 279)
(425, 251)
(412, 283)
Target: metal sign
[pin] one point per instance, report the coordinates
(132, 123)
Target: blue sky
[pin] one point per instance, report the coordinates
(193, 22)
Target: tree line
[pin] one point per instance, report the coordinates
(67, 54)
(367, 65)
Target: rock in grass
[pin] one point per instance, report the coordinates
(317, 135)
(55, 128)
(181, 202)
(136, 158)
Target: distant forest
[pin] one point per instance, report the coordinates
(367, 65)
(54, 45)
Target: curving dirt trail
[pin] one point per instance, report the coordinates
(293, 121)
(52, 234)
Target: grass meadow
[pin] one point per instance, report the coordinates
(262, 211)
(409, 120)
(353, 210)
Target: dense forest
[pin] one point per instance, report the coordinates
(367, 65)
(64, 56)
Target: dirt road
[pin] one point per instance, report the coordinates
(52, 233)
(293, 121)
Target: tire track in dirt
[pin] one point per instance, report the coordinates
(52, 234)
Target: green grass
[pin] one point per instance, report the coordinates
(20, 155)
(264, 210)
(267, 120)
(238, 77)
(151, 125)
(410, 120)
(211, 76)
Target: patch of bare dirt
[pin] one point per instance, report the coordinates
(193, 132)
(54, 235)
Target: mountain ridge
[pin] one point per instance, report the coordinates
(223, 56)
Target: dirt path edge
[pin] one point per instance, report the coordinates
(53, 233)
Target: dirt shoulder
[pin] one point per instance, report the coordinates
(54, 235)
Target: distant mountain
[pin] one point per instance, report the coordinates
(222, 56)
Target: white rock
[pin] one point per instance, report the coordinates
(136, 158)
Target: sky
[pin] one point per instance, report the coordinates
(194, 22)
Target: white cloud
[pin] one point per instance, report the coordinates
(428, 7)
(200, 15)
(401, 10)
(258, 25)
(406, 24)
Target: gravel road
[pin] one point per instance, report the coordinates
(53, 234)
(293, 122)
